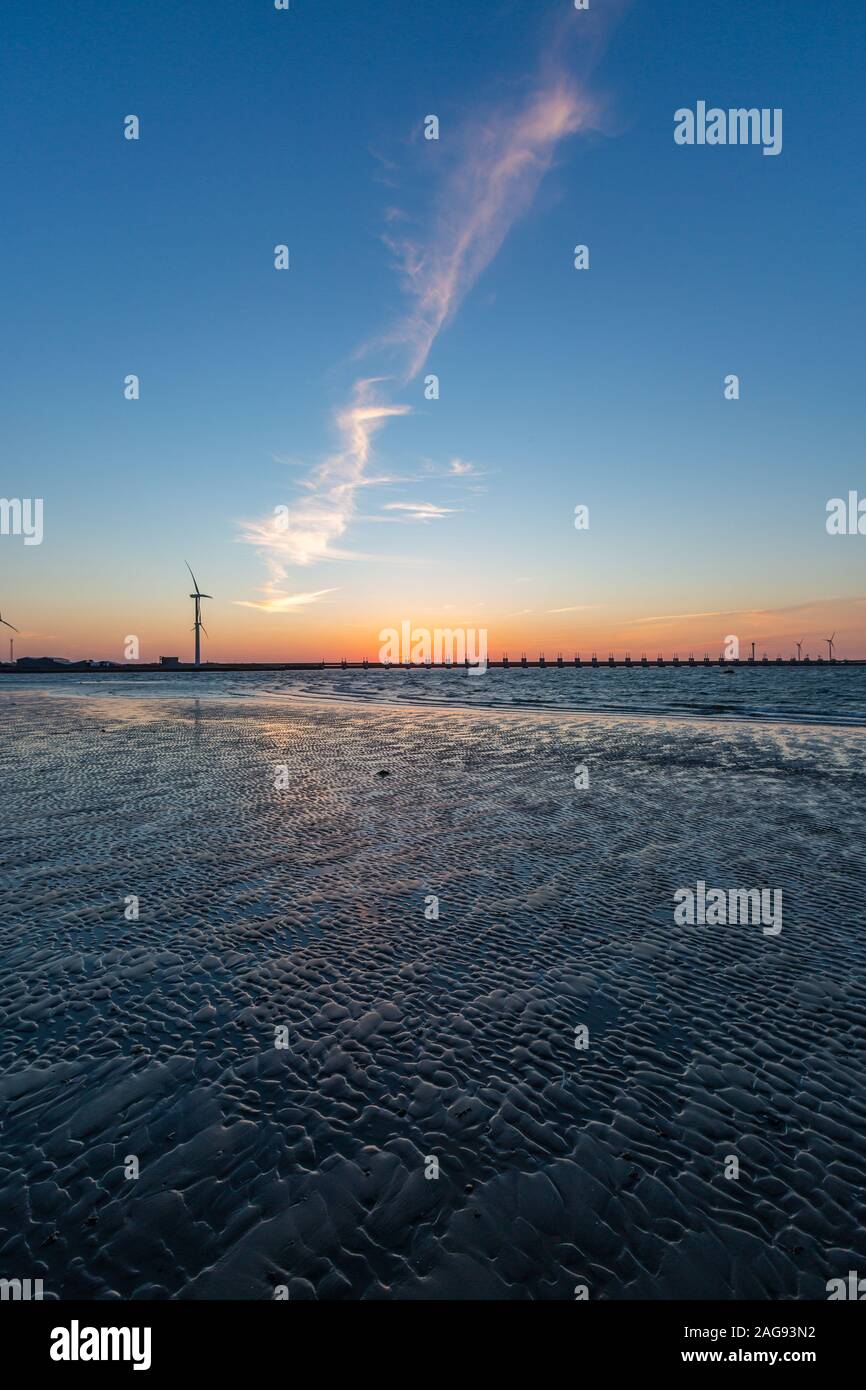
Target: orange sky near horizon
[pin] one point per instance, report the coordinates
(314, 632)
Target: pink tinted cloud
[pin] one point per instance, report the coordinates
(318, 520)
(502, 160)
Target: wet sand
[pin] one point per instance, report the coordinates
(411, 1039)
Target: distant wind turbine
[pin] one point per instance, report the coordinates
(198, 625)
(799, 646)
(829, 641)
(11, 639)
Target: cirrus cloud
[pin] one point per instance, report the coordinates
(499, 161)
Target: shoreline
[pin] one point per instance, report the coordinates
(215, 668)
(280, 700)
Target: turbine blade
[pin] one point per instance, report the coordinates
(204, 629)
(5, 624)
(194, 580)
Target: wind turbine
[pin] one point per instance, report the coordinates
(799, 646)
(829, 641)
(11, 639)
(198, 625)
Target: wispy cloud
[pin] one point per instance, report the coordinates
(499, 160)
(803, 609)
(420, 511)
(809, 620)
(577, 608)
(319, 519)
(283, 603)
(503, 158)
(677, 617)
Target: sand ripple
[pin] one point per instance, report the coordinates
(408, 1038)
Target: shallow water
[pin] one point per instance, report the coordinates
(805, 694)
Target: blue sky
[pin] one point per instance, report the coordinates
(557, 387)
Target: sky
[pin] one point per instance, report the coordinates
(283, 442)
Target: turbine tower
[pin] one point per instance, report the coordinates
(829, 641)
(799, 646)
(11, 639)
(198, 625)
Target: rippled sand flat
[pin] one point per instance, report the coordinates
(410, 1038)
